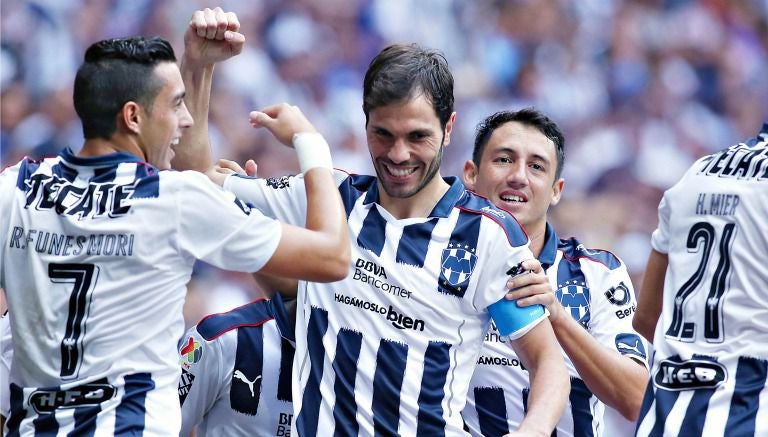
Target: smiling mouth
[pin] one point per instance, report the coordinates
(512, 198)
(399, 172)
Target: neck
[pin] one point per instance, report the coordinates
(100, 146)
(418, 205)
(537, 234)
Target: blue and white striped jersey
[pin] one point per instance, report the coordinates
(390, 349)
(595, 286)
(710, 358)
(96, 255)
(236, 372)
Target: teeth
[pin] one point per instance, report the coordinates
(512, 198)
(175, 142)
(400, 172)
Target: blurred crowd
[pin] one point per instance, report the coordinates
(640, 88)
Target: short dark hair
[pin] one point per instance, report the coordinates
(401, 71)
(528, 117)
(114, 72)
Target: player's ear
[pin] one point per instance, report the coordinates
(470, 174)
(449, 129)
(557, 191)
(131, 116)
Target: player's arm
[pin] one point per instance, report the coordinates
(320, 252)
(651, 295)
(212, 36)
(617, 380)
(539, 352)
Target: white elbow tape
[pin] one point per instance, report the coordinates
(312, 150)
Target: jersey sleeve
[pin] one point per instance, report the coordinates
(202, 380)
(220, 229)
(283, 198)
(512, 320)
(613, 307)
(660, 237)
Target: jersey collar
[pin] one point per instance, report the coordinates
(549, 251)
(281, 318)
(443, 207)
(98, 161)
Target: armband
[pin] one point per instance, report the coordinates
(513, 321)
(312, 151)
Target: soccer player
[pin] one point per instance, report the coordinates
(703, 299)
(236, 371)
(391, 348)
(517, 162)
(97, 246)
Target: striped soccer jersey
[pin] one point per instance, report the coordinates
(710, 357)
(390, 349)
(236, 372)
(595, 287)
(96, 255)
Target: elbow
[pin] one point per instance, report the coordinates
(336, 265)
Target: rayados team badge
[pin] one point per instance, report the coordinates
(456, 266)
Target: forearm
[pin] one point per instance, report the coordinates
(326, 215)
(650, 299)
(617, 380)
(549, 381)
(194, 151)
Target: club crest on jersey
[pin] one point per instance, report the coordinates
(191, 352)
(574, 296)
(456, 266)
(674, 374)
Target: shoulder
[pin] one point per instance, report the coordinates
(473, 203)
(251, 315)
(574, 250)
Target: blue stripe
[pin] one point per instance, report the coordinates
(249, 363)
(65, 172)
(285, 379)
(665, 400)
(45, 424)
(17, 413)
(648, 399)
(491, 410)
(693, 421)
(387, 384)
(129, 416)
(372, 234)
(580, 409)
(345, 368)
(26, 169)
(85, 421)
(574, 249)
(350, 193)
(464, 238)
(306, 422)
(412, 249)
(147, 186)
(251, 314)
(436, 364)
(479, 205)
(750, 382)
